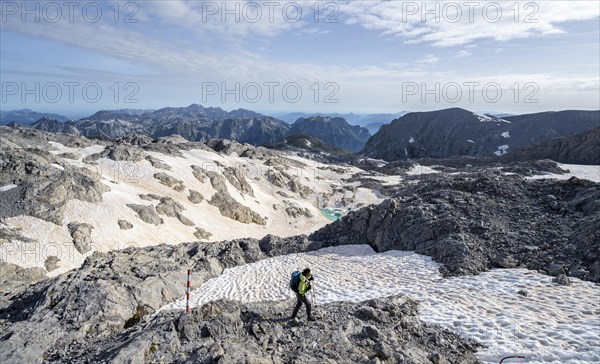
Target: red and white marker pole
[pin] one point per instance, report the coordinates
(187, 292)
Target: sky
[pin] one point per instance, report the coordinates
(78, 57)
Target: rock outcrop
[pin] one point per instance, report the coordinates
(171, 208)
(157, 163)
(195, 197)
(236, 178)
(583, 148)
(81, 234)
(44, 184)
(146, 213)
(202, 234)
(472, 223)
(234, 210)
(296, 211)
(14, 280)
(170, 181)
(378, 331)
(125, 225)
(120, 152)
(228, 206)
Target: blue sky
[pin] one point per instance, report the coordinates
(377, 56)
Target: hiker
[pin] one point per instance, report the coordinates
(301, 289)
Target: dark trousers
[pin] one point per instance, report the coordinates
(302, 299)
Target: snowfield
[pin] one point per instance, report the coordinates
(128, 180)
(552, 324)
(591, 173)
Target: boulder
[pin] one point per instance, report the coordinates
(195, 197)
(81, 234)
(125, 225)
(146, 213)
(563, 280)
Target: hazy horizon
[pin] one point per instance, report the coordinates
(76, 116)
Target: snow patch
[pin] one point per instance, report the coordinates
(589, 172)
(553, 324)
(380, 162)
(419, 169)
(502, 149)
(487, 118)
(411, 140)
(405, 152)
(483, 118)
(7, 188)
(58, 166)
(471, 141)
(505, 135)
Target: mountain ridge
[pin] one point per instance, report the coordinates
(458, 132)
(27, 116)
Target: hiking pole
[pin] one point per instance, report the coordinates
(312, 292)
(187, 292)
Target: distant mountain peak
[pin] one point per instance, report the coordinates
(455, 131)
(26, 116)
(334, 131)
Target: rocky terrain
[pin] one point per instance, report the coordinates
(583, 148)
(458, 132)
(43, 182)
(475, 222)
(384, 330)
(306, 143)
(102, 312)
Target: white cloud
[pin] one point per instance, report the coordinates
(464, 24)
(430, 59)
(315, 31)
(230, 20)
(376, 85)
(463, 53)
